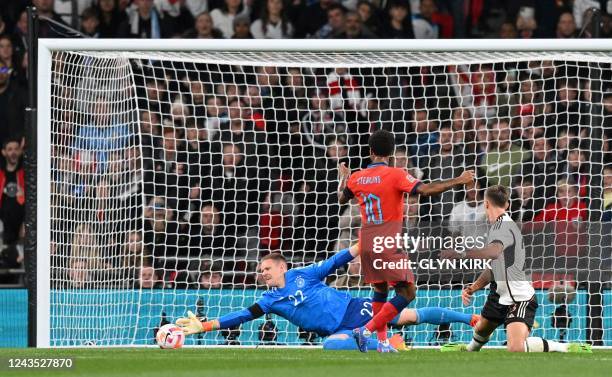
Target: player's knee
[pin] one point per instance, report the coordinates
(516, 346)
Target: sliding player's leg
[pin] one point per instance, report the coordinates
(405, 293)
(520, 341)
(379, 298)
(433, 316)
(482, 332)
(518, 326)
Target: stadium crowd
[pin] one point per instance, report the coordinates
(231, 163)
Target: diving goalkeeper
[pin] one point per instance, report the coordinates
(300, 296)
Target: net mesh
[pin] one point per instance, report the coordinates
(172, 173)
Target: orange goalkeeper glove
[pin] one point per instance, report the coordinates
(192, 325)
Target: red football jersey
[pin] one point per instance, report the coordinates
(380, 191)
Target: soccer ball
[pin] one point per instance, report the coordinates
(170, 336)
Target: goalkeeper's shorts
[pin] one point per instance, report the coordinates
(359, 312)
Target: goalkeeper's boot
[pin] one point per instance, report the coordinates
(579, 348)
(385, 347)
(474, 320)
(398, 343)
(361, 335)
(453, 347)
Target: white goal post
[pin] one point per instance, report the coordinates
(113, 202)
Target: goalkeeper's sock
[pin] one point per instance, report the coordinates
(535, 344)
(477, 342)
(441, 316)
(378, 301)
(388, 311)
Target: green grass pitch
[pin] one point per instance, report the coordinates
(192, 362)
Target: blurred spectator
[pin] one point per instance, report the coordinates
(19, 35)
(526, 24)
(444, 164)
(399, 22)
(148, 278)
(541, 170)
(423, 140)
(576, 168)
(271, 224)
(134, 250)
(211, 280)
(216, 116)
(110, 18)
(567, 207)
(507, 31)
(426, 25)
(242, 28)
(12, 190)
(477, 87)
(314, 17)
(10, 59)
(207, 238)
(354, 29)
(320, 122)
(335, 22)
(12, 104)
(371, 17)
(204, 28)
(223, 18)
(143, 21)
(161, 230)
(90, 20)
(46, 29)
(79, 274)
(234, 186)
(468, 218)
(403, 161)
(273, 22)
(522, 200)
(566, 27)
(503, 158)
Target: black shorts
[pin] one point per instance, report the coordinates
(522, 311)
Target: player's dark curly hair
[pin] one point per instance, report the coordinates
(382, 143)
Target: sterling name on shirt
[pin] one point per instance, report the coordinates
(368, 180)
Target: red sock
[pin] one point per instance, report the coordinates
(380, 320)
(381, 334)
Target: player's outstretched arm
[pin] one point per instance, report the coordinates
(483, 279)
(438, 187)
(192, 325)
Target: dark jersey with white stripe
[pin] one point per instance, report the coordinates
(508, 269)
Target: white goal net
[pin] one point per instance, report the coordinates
(172, 173)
